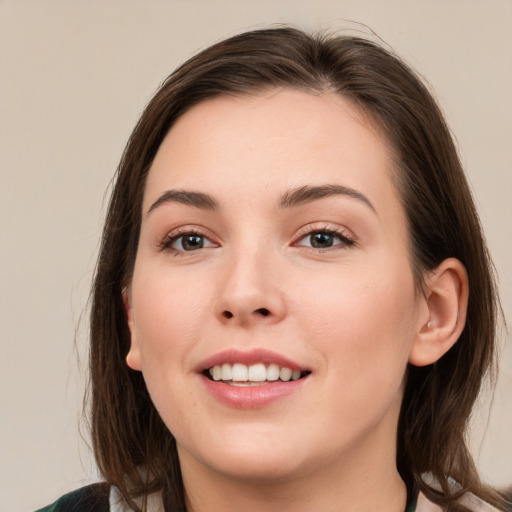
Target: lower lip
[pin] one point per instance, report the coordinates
(252, 397)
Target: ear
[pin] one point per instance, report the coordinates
(133, 358)
(446, 293)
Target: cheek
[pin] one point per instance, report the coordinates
(365, 341)
(168, 312)
(364, 324)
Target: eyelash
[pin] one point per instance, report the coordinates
(167, 242)
(345, 241)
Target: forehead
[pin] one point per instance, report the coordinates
(278, 139)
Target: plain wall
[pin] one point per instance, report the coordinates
(74, 77)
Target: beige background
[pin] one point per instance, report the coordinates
(74, 76)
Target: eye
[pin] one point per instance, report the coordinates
(325, 239)
(190, 242)
(186, 242)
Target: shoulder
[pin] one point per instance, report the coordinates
(92, 498)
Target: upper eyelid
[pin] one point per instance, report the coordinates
(314, 227)
(192, 230)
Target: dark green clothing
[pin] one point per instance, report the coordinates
(93, 498)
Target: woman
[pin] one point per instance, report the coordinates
(294, 306)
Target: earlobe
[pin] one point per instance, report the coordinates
(446, 296)
(133, 358)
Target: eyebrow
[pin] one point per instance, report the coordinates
(291, 198)
(309, 193)
(188, 197)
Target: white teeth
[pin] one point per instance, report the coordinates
(217, 373)
(227, 374)
(273, 372)
(257, 373)
(241, 373)
(285, 374)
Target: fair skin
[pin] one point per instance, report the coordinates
(238, 263)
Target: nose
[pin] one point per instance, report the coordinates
(251, 292)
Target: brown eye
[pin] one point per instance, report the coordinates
(321, 240)
(189, 242)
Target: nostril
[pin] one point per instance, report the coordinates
(260, 311)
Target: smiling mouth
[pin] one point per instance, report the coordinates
(259, 374)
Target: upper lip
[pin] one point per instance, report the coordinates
(248, 357)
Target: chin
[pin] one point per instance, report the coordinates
(260, 467)
(251, 458)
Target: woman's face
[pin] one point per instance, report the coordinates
(274, 248)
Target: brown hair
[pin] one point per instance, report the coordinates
(127, 431)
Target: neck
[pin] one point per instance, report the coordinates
(334, 487)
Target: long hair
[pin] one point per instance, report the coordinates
(127, 431)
